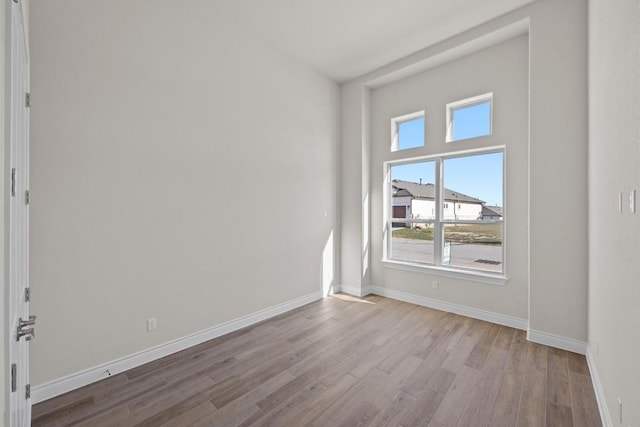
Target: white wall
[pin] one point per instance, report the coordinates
(424, 209)
(464, 211)
(152, 125)
(503, 70)
(354, 184)
(557, 273)
(614, 158)
(558, 159)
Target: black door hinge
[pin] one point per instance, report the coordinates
(13, 182)
(14, 379)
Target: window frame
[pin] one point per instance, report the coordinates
(464, 103)
(395, 129)
(438, 223)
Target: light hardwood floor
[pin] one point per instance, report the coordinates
(344, 361)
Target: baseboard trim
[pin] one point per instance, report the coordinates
(356, 290)
(556, 341)
(500, 319)
(71, 382)
(605, 415)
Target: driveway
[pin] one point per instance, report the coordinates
(466, 255)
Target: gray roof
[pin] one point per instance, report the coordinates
(428, 191)
(492, 211)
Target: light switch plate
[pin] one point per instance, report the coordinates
(619, 202)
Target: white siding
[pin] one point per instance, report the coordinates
(462, 211)
(402, 201)
(423, 209)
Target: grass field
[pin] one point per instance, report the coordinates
(487, 234)
(412, 233)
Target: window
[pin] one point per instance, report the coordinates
(438, 213)
(469, 118)
(413, 211)
(407, 131)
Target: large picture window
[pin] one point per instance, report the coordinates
(447, 211)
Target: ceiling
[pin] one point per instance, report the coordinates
(347, 38)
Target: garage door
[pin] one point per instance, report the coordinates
(399, 212)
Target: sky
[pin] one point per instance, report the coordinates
(477, 176)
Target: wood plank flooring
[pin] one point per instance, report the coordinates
(344, 361)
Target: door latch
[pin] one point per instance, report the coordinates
(23, 331)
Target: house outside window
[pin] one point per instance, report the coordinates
(434, 223)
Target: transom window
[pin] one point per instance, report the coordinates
(447, 211)
(407, 131)
(469, 118)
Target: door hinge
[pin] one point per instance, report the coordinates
(27, 294)
(27, 98)
(27, 197)
(14, 379)
(13, 182)
(27, 391)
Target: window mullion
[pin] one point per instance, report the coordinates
(437, 226)
(388, 213)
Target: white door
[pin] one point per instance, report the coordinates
(20, 324)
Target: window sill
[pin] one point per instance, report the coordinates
(474, 276)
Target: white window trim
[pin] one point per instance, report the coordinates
(396, 121)
(436, 268)
(471, 275)
(467, 103)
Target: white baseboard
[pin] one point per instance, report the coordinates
(556, 341)
(356, 291)
(605, 415)
(500, 319)
(65, 384)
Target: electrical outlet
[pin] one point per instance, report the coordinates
(435, 285)
(152, 324)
